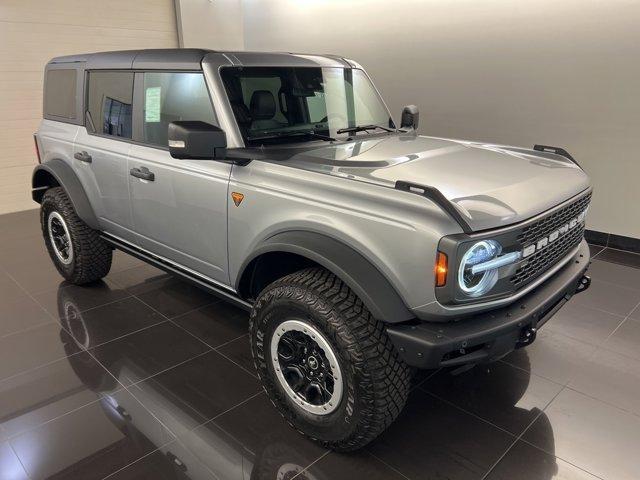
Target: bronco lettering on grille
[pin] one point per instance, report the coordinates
(553, 236)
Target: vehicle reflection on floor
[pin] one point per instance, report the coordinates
(195, 450)
(170, 423)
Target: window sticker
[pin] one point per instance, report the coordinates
(152, 105)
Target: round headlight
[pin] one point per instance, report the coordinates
(476, 284)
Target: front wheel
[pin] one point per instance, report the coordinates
(326, 364)
(77, 251)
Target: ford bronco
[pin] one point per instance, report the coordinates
(281, 183)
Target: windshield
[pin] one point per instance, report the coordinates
(279, 104)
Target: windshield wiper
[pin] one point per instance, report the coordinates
(309, 133)
(364, 128)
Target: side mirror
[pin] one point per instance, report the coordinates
(197, 140)
(410, 117)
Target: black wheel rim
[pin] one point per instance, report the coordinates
(306, 366)
(60, 238)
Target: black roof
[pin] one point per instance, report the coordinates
(170, 58)
(183, 58)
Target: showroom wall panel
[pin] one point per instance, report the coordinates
(210, 24)
(31, 32)
(558, 73)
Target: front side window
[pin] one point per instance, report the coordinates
(173, 96)
(277, 103)
(109, 103)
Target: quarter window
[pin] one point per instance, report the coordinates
(173, 96)
(110, 101)
(60, 93)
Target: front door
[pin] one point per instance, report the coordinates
(179, 206)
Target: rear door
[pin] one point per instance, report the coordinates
(102, 146)
(179, 206)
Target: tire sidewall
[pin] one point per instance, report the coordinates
(270, 311)
(50, 205)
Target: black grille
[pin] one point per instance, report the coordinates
(548, 256)
(543, 227)
(540, 261)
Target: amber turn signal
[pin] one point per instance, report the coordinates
(441, 269)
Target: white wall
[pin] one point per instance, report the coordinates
(214, 24)
(557, 72)
(31, 33)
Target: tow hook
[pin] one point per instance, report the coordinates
(583, 284)
(527, 337)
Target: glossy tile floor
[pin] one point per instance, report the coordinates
(144, 377)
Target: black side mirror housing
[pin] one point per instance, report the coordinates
(410, 117)
(196, 140)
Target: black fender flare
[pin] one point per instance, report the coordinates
(68, 180)
(366, 281)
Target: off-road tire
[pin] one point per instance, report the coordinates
(376, 381)
(91, 255)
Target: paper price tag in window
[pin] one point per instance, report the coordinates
(152, 105)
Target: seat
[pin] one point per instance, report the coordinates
(262, 109)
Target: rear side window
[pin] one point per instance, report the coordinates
(173, 96)
(109, 103)
(60, 93)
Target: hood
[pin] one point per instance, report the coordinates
(491, 185)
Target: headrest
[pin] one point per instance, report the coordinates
(263, 105)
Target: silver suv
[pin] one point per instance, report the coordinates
(281, 183)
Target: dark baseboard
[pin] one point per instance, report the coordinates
(596, 238)
(611, 240)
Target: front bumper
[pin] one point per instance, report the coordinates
(493, 334)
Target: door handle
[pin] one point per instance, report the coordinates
(143, 173)
(82, 156)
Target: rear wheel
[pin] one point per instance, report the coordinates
(77, 251)
(326, 364)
